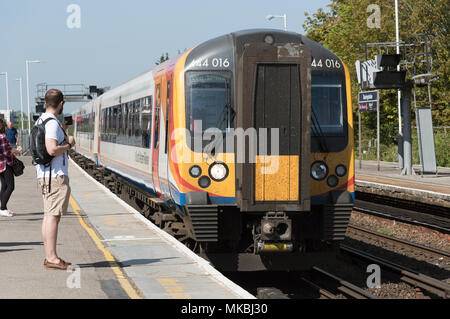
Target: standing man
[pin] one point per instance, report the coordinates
(12, 136)
(54, 180)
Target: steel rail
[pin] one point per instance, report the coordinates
(323, 292)
(346, 287)
(417, 279)
(400, 242)
(400, 218)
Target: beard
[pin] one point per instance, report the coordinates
(60, 111)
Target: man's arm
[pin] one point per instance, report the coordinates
(54, 149)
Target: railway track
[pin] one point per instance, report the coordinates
(432, 217)
(432, 285)
(322, 282)
(411, 277)
(330, 283)
(316, 283)
(335, 285)
(413, 248)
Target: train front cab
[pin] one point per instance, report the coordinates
(303, 89)
(275, 95)
(277, 217)
(332, 155)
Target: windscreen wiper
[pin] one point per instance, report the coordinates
(317, 130)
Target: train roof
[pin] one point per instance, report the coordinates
(226, 46)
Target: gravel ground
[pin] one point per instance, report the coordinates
(439, 269)
(397, 291)
(356, 273)
(416, 234)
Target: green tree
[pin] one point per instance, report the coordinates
(343, 27)
(163, 58)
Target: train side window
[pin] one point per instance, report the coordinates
(108, 120)
(137, 118)
(146, 121)
(114, 119)
(133, 118)
(108, 124)
(130, 124)
(120, 120)
(103, 127)
(124, 119)
(105, 120)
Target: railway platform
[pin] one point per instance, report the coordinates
(430, 189)
(115, 251)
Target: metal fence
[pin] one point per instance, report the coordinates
(24, 141)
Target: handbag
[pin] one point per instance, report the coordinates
(18, 167)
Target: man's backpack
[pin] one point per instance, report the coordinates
(38, 150)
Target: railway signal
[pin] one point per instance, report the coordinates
(388, 70)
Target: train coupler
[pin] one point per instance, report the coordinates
(273, 234)
(273, 247)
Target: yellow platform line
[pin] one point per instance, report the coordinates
(123, 281)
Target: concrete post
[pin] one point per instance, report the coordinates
(407, 141)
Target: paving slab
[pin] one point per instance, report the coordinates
(22, 252)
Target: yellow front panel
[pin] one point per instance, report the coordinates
(277, 178)
(294, 177)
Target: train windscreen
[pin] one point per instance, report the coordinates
(208, 100)
(328, 112)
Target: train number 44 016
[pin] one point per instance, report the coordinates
(329, 63)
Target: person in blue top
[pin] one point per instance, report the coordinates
(11, 135)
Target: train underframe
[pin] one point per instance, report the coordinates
(236, 241)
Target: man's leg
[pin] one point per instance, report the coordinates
(50, 236)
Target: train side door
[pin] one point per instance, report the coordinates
(91, 128)
(155, 140)
(165, 137)
(97, 127)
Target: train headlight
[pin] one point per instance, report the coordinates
(341, 170)
(332, 181)
(319, 170)
(195, 171)
(218, 171)
(204, 182)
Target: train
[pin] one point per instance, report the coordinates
(241, 148)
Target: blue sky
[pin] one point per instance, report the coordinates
(119, 39)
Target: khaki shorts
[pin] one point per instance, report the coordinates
(57, 201)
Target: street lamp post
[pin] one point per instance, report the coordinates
(21, 100)
(270, 17)
(7, 94)
(27, 62)
(399, 95)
